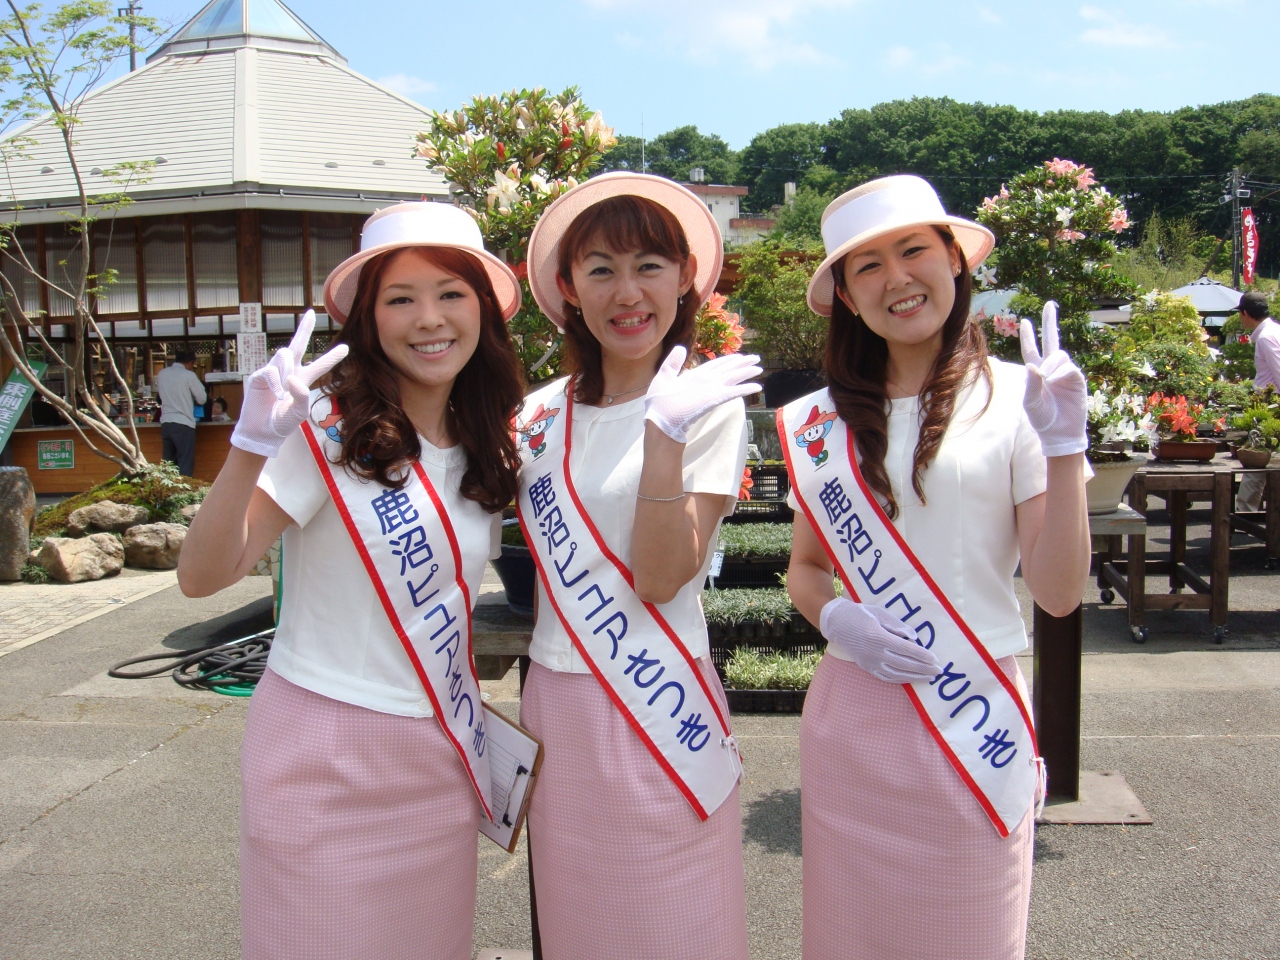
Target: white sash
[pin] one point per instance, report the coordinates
(972, 709)
(410, 551)
(634, 653)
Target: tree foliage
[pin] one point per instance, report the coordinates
(773, 296)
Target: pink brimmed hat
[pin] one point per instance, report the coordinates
(699, 226)
(883, 206)
(420, 224)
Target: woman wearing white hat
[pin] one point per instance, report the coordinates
(364, 769)
(629, 465)
(937, 471)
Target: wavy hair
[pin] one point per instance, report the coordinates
(856, 363)
(378, 440)
(623, 224)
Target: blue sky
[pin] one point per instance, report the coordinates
(736, 67)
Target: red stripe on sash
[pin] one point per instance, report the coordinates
(387, 605)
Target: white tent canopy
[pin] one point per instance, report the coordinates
(1210, 296)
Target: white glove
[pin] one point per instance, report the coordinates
(1057, 397)
(676, 400)
(877, 641)
(275, 396)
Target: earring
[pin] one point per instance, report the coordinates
(680, 300)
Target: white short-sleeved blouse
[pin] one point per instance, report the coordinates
(606, 460)
(966, 534)
(334, 638)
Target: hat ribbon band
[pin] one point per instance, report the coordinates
(900, 204)
(410, 227)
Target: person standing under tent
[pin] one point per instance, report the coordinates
(944, 470)
(629, 465)
(364, 769)
(1264, 332)
(180, 392)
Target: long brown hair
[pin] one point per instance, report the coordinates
(856, 363)
(623, 224)
(378, 440)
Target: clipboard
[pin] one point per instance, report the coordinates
(515, 760)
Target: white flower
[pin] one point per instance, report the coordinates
(1089, 267)
(1147, 370)
(1150, 299)
(539, 183)
(1064, 215)
(505, 192)
(985, 276)
(596, 127)
(1099, 407)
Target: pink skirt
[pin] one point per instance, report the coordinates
(900, 861)
(357, 833)
(623, 867)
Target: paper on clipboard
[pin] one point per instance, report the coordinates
(515, 757)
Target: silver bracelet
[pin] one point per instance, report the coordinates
(641, 496)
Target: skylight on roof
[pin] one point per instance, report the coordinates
(269, 19)
(226, 18)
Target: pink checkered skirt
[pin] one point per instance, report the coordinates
(900, 861)
(624, 869)
(357, 833)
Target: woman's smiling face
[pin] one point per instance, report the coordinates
(902, 284)
(628, 300)
(428, 320)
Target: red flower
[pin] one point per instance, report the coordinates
(521, 270)
(502, 151)
(744, 489)
(566, 143)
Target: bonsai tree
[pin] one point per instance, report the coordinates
(507, 157)
(772, 291)
(50, 63)
(1055, 226)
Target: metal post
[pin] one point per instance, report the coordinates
(1056, 699)
(1235, 228)
(131, 11)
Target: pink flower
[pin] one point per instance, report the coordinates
(1004, 192)
(1061, 168)
(989, 203)
(1085, 178)
(1070, 235)
(1120, 220)
(1005, 324)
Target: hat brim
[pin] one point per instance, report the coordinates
(975, 240)
(700, 230)
(340, 287)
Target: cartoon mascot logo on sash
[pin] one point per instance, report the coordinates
(637, 657)
(972, 709)
(410, 551)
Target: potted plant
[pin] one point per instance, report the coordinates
(1262, 435)
(1115, 419)
(768, 682)
(770, 643)
(1177, 425)
(754, 554)
(516, 569)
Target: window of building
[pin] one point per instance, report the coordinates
(115, 260)
(331, 243)
(64, 257)
(23, 282)
(213, 237)
(164, 250)
(282, 263)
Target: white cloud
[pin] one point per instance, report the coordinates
(899, 57)
(987, 15)
(938, 60)
(1111, 31)
(406, 85)
(762, 33)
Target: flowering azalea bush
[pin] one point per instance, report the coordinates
(718, 332)
(1118, 417)
(1001, 329)
(1056, 226)
(1177, 419)
(508, 157)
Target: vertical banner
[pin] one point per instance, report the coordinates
(1248, 243)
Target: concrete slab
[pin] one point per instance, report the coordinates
(1105, 798)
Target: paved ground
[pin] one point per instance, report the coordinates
(118, 798)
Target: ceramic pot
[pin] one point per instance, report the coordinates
(1253, 459)
(1186, 449)
(1107, 485)
(518, 574)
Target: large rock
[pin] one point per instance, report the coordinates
(69, 560)
(154, 546)
(106, 516)
(189, 511)
(17, 512)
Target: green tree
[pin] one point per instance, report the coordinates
(50, 63)
(778, 155)
(772, 292)
(626, 154)
(676, 152)
(799, 223)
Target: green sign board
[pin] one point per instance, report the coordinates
(14, 397)
(56, 454)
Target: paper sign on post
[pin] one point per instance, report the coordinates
(250, 318)
(251, 352)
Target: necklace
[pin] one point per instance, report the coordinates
(609, 398)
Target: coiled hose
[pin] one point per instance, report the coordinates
(231, 668)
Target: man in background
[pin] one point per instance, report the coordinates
(180, 391)
(1265, 334)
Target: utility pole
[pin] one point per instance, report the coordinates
(131, 11)
(643, 167)
(1235, 228)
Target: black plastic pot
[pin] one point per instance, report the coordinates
(783, 386)
(765, 701)
(518, 575)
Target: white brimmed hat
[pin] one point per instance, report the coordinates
(420, 224)
(695, 219)
(883, 206)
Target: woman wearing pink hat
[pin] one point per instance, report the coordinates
(629, 465)
(364, 769)
(939, 470)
